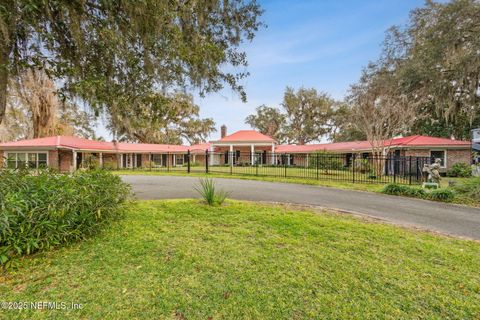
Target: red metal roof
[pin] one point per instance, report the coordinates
(243, 135)
(199, 148)
(410, 141)
(428, 141)
(148, 147)
(61, 141)
(247, 136)
(86, 144)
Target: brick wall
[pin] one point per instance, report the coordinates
(53, 159)
(453, 155)
(146, 160)
(110, 160)
(458, 156)
(66, 160)
(198, 158)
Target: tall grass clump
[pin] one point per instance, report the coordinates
(469, 188)
(208, 191)
(49, 209)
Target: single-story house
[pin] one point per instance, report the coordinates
(69, 153)
(449, 151)
(244, 147)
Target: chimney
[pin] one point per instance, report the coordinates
(223, 131)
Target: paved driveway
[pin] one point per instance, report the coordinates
(445, 218)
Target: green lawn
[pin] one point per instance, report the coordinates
(183, 260)
(293, 172)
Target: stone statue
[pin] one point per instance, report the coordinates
(434, 171)
(425, 172)
(431, 172)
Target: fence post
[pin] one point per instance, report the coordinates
(354, 156)
(317, 163)
(207, 156)
(285, 163)
(168, 161)
(395, 169)
(188, 161)
(150, 161)
(410, 170)
(417, 169)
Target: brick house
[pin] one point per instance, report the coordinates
(449, 151)
(244, 147)
(70, 153)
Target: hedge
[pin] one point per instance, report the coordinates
(444, 195)
(42, 210)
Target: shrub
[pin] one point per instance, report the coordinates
(444, 195)
(326, 161)
(461, 170)
(147, 164)
(469, 188)
(401, 190)
(416, 192)
(209, 192)
(395, 189)
(90, 162)
(364, 166)
(110, 165)
(48, 209)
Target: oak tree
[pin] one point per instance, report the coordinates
(111, 53)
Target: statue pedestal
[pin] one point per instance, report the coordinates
(430, 185)
(476, 171)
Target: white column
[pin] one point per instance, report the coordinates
(130, 155)
(210, 155)
(74, 155)
(174, 160)
(121, 160)
(252, 154)
(100, 158)
(230, 155)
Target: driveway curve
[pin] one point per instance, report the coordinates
(435, 216)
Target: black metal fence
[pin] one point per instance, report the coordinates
(352, 168)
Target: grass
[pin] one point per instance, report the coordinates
(183, 260)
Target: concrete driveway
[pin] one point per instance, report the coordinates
(435, 216)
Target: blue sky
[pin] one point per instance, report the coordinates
(321, 44)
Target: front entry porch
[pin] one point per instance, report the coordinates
(242, 154)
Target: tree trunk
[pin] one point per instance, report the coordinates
(8, 31)
(3, 82)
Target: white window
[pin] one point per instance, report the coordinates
(20, 160)
(439, 154)
(181, 159)
(157, 159)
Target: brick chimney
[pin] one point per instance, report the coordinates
(223, 131)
